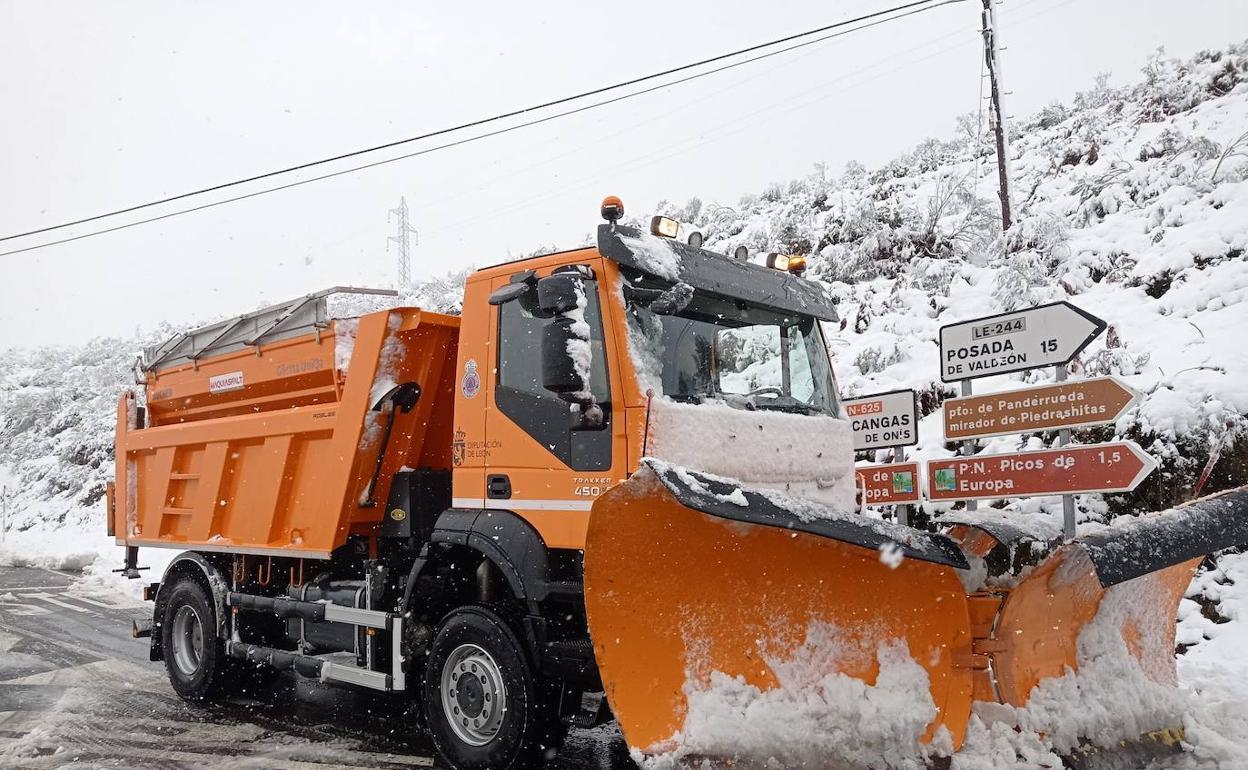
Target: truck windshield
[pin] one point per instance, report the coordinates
(747, 356)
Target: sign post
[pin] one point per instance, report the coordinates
(883, 420)
(968, 447)
(880, 421)
(1068, 501)
(1114, 467)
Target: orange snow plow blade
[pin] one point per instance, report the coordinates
(1045, 614)
(708, 604)
(682, 581)
(1146, 565)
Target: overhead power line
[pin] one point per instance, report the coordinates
(879, 17)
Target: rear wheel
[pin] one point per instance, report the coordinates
(482, 704)
(194, 653)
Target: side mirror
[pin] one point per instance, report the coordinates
(560, 373)
(560, 293)
(520, 287)
(567, 357)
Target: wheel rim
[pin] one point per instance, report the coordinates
(474, 696)
(188, 640)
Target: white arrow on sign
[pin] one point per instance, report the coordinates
(1048, 335)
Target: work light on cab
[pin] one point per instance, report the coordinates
(664, 227)
(790, 262)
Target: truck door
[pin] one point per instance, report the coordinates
(541, 465)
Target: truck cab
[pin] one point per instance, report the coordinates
(748, 339)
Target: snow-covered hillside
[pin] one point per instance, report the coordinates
(1130, 202)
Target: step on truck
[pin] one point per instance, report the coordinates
(621, 471)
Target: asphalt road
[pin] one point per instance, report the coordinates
(77, 691)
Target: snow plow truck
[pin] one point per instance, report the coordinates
(618, 486)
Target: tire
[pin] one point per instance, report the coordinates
(483, 707)
(194, 653)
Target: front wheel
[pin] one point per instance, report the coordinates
(482, 705)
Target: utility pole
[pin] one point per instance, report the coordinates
(405, 253)
(997, 114)
(5, 495)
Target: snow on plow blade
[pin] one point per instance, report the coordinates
(702, 596)
(1151, 543)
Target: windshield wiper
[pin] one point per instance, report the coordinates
(785, 404)
(770, 404)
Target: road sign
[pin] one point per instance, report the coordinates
(1116, 467)
(1076, 404)
(1048, 335)
(884, 419)
(893, 484)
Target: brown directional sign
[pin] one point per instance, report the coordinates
(1075, 404)
(1116, 467)
(895, 484)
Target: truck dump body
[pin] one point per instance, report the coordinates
(272, 447)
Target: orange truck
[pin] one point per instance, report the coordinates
(607, 480)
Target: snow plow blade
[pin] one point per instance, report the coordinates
(690, 582)
(1132, 576)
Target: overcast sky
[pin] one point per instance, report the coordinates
(108, 104)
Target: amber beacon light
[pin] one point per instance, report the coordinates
(612, 208)
(792, 263)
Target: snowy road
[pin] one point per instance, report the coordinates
(76, 690)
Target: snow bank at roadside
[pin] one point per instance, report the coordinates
(59, 535)
(92, 554)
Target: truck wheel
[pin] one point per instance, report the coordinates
(194, 654)
(482, 705)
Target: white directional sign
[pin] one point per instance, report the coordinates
(1048, 335)
(884, 419)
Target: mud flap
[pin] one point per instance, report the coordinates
(686, 577)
